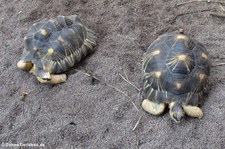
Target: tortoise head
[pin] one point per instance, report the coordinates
(176, 112)
(39, 72)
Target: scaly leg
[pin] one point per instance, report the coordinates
(152, 107)
(24, 65)
(55, 79)
(193, 111)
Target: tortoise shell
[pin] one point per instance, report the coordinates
(56, 45)
(176, 68)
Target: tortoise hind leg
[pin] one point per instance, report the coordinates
(152, 107)
(193, 111)
(24, 65)
(55, 79)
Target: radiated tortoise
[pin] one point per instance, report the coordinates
(176, 68)
(54, 46)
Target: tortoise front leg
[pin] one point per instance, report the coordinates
(193, 111)
(152, 107)
(24, 65)
(55, 79)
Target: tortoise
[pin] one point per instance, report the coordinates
(175, 68)
(54, 46)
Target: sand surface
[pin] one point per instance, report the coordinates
(83, 114)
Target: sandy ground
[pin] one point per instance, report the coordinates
(81, 114)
